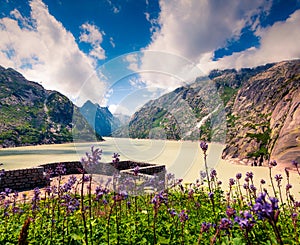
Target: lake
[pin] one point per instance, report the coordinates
(183, 158)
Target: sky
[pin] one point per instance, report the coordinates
(121, 53)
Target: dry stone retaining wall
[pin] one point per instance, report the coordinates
(29, 178)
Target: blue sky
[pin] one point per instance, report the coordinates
(121, 53)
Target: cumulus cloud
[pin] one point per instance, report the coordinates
(195, 29)
(277, 42)
(92, 35)
(44, 51)
(186, 32)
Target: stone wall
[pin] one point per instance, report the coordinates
(74, 167)
(22, 179)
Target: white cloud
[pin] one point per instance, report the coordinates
(192, 27)
(278, 42)
(119, 109)
(112, 43)
(116, 9)
(44, 51)
(190, 31)
(92, 35)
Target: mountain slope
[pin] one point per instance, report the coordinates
(262, 107)
(265, 116)
(31, 115)
(100, 118)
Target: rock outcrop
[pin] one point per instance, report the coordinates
(265, 116)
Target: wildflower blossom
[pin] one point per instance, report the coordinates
(272, 164)
(230, 212)
(238, 176)
(288, 186)
(205, 227)
(249, 175)
(245, 221)
(183, 216)
(136, 170)
(116, 158)
(263, 208)
(231, 182)
(225, 224)
(278, 178)
(213, 173)
(204, 146)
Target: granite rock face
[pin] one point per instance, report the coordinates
(265, 116)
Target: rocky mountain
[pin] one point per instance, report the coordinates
(264, 119)
(257, 111)
(31, 115)
(100, 118)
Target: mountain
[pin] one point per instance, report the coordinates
(31, 115)
(265, 116)
(100, 118)
(192, 111)
(257, 111)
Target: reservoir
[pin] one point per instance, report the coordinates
(183, 158)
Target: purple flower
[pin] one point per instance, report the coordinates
(35, 198)
(245, 221)
(238, 176)
(172, 212)
(262, 181)
(211, 195)
(86, 178)
(231, 182)
(272, 164)
(278, 178)
(183, 216)
(2, 173)
(249, 175)
(136, 170)
(60, 169)
(294, 215)
(116, 158)
(288, 186)
(230, 212)
(253, 188)
(7, 191)
(202, 174)
(92, 158)
(204, 146)
(213, 173)
(205, 227)
(225, 224)
(264, 209)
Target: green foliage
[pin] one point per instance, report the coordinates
(263, 139)
(115, 218)
(227, 94)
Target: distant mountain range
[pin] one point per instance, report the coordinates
(100, 118)
(255, 112)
